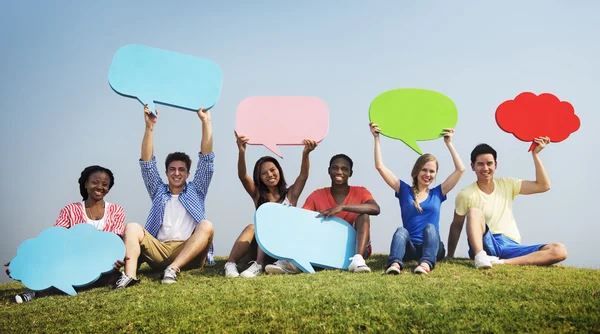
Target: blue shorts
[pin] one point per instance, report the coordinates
(503, 247)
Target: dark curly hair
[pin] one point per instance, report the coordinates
(85, 175)
(178, 156)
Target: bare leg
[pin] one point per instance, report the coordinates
(242, 245)
(134, 234)
(475, 229)
(547, 255)
(362, 224)
(195, 244)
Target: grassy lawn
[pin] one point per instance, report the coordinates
(455, 297)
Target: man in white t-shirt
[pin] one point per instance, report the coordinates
(487, 205)
(176, 234)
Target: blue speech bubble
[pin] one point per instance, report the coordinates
(165, 77)
(66, 258)
(290, 233)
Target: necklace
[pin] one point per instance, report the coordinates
(90, 214)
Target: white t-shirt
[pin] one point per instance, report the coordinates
(178, 224)
(98, 224)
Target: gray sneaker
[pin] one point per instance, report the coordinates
(282, 267)
(124, 281)
(170, 276)
(25, 297)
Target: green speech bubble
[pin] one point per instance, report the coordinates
(412, 114)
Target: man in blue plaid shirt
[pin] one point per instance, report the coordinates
(176, 234)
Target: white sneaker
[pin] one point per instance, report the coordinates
(170, 276)
(495, 260)
(125, 281)
(254, 270)
(25, 297)
(231, 270)
(482, 261)
(358, 265)
(282, 267)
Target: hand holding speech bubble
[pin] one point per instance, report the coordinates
(66, 258)
(166, 77)
(531, 116)
(295, 234)
(281, 120)
(413, 114)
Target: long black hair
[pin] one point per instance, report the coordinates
(262, 188)
(85, 175)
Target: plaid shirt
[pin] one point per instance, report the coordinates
(192, 197)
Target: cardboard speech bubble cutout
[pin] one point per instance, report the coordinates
(66, 258)
(530, 116)
(281, 120)
(412, 114)
(165, 77)
(295, 234)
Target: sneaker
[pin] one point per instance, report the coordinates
(125, 281)
(495, 260)
(254, 270)
(231, 270)
(358, 265)
(420, 269)
(393, 270)
(170, 276)
(25, 297)
(482, 261)
(282, 267)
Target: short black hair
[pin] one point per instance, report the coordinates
(341, 156)
(85, 175)
(482, 149)
(178, 156)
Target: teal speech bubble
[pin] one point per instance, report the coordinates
(413, 114)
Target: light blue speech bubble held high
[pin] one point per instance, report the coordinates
(165, 77)
(295, 234)
(66, 258)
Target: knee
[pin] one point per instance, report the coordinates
(559, 251)
(401, 232)
(249, 229)
(429, 229)
(133, 230)
(205, 227)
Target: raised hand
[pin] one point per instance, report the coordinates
(541, 144)
(375, 130)
(330, 212)
(150, 118)
(309, 145)
(203, 115)
(241, 142)
(448, 133)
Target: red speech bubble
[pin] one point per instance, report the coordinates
(282, 120)
(530, 116)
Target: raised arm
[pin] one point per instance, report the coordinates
(206, 145)
(454, 234)
(147, 142)
(542, 182)
(298, 186)
(459, 167)
(246, 180)
(387, 175)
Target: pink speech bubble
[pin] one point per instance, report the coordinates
(282, 120)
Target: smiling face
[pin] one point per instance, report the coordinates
(340, 171)
(427, 174)
(97, 185)
(484, 167)
(269, 174)
(177, 173)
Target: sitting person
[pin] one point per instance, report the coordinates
(176, 234)
(419, 236)
(492, 232)
(351, 203)
(268, 185)
(94, 184)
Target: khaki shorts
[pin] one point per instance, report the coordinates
(159, 255)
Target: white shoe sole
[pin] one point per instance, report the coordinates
(168, 281)
(275, 270)
(362, 269)
(232, 275)
(18, 299)
(393, 271)
(484, 266)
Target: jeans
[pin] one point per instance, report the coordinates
(403, 249)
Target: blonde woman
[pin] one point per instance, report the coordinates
(419, 236)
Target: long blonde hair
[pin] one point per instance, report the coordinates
(421, 161)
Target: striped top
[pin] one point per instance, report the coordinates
(74, 213)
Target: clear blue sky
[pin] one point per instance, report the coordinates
(59, 114)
